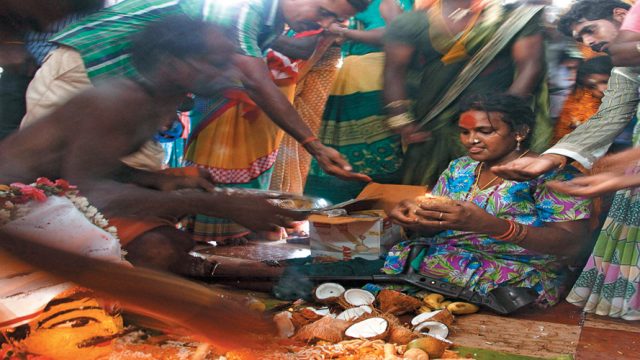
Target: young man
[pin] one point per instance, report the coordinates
(595, 23)
(83, 140)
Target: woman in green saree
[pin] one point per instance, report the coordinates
(435, 56)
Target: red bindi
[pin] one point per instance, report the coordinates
(468, 121)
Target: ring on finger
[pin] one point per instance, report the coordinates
(440, 216)
(440, 223)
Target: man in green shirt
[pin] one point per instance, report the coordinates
(98, 47)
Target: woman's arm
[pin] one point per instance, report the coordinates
(565, 239)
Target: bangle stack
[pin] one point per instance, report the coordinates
(398, 104)
(308, 140)
(398, 121)
(516, 233)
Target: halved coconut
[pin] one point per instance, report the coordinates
(432, 345)
(374, 328)
(444, 316)
(328, 292)
(322, 311)
(285, 326)
(433, 328)
(326, 329)
(356, 297)
(401, 335)
(354, 313)
(397, 303)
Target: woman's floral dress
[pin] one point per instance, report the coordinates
(482, 263)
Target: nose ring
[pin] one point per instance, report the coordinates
(475, 141)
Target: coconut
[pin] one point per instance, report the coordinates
(432, 345)
(285, 326)
(322, 311)
(374, 328)
(354, 313)
(444, 316)
(433, 328)
(397, 303)
(328, 293)
(303, 317)
(356, 297)
(429, 199)
(401, 335)
(326, 329)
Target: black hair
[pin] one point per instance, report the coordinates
(516, 111)
(177, 36)
(597, 65)
(589, 10)
(359, 5)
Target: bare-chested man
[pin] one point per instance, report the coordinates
(83, 141)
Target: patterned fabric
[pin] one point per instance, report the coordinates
(429, 80)
(591, 141)
(292, 166)
(482, 263)
(103, 38)
(353, 119)
(610, 282)
(37, 43)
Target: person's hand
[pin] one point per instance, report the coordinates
(337, 29)
(258, 214)
(412, 134)
(462, 216)
(202, 182)
(595, 185)
(333, 163)
(404, 214)
(528, 168)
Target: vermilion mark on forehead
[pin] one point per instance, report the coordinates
(468, 121)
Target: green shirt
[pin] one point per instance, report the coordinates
(103, 38)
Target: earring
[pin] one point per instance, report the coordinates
(519, 139)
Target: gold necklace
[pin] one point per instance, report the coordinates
(476, 184)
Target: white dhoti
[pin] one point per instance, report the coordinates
(24, 290)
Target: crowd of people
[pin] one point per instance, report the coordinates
(320, 97)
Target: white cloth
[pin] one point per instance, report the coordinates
(24, 290)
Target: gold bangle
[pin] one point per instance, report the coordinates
(397, 104)
(399, 121)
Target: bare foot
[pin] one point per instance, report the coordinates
(233, 241)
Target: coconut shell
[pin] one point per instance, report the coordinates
(432, 345)
(444, 316)
(329, 299)
(397, 303)
(326, 329)
(400, 335)
(380, 336)
(303, 317)
(363, 297)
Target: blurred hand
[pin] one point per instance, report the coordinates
(528, 168)
(202, 181)
(595, 185)
(258, 214)
(333, 163)
(412, 134)
(336, 28)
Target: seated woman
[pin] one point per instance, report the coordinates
(496, 232)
